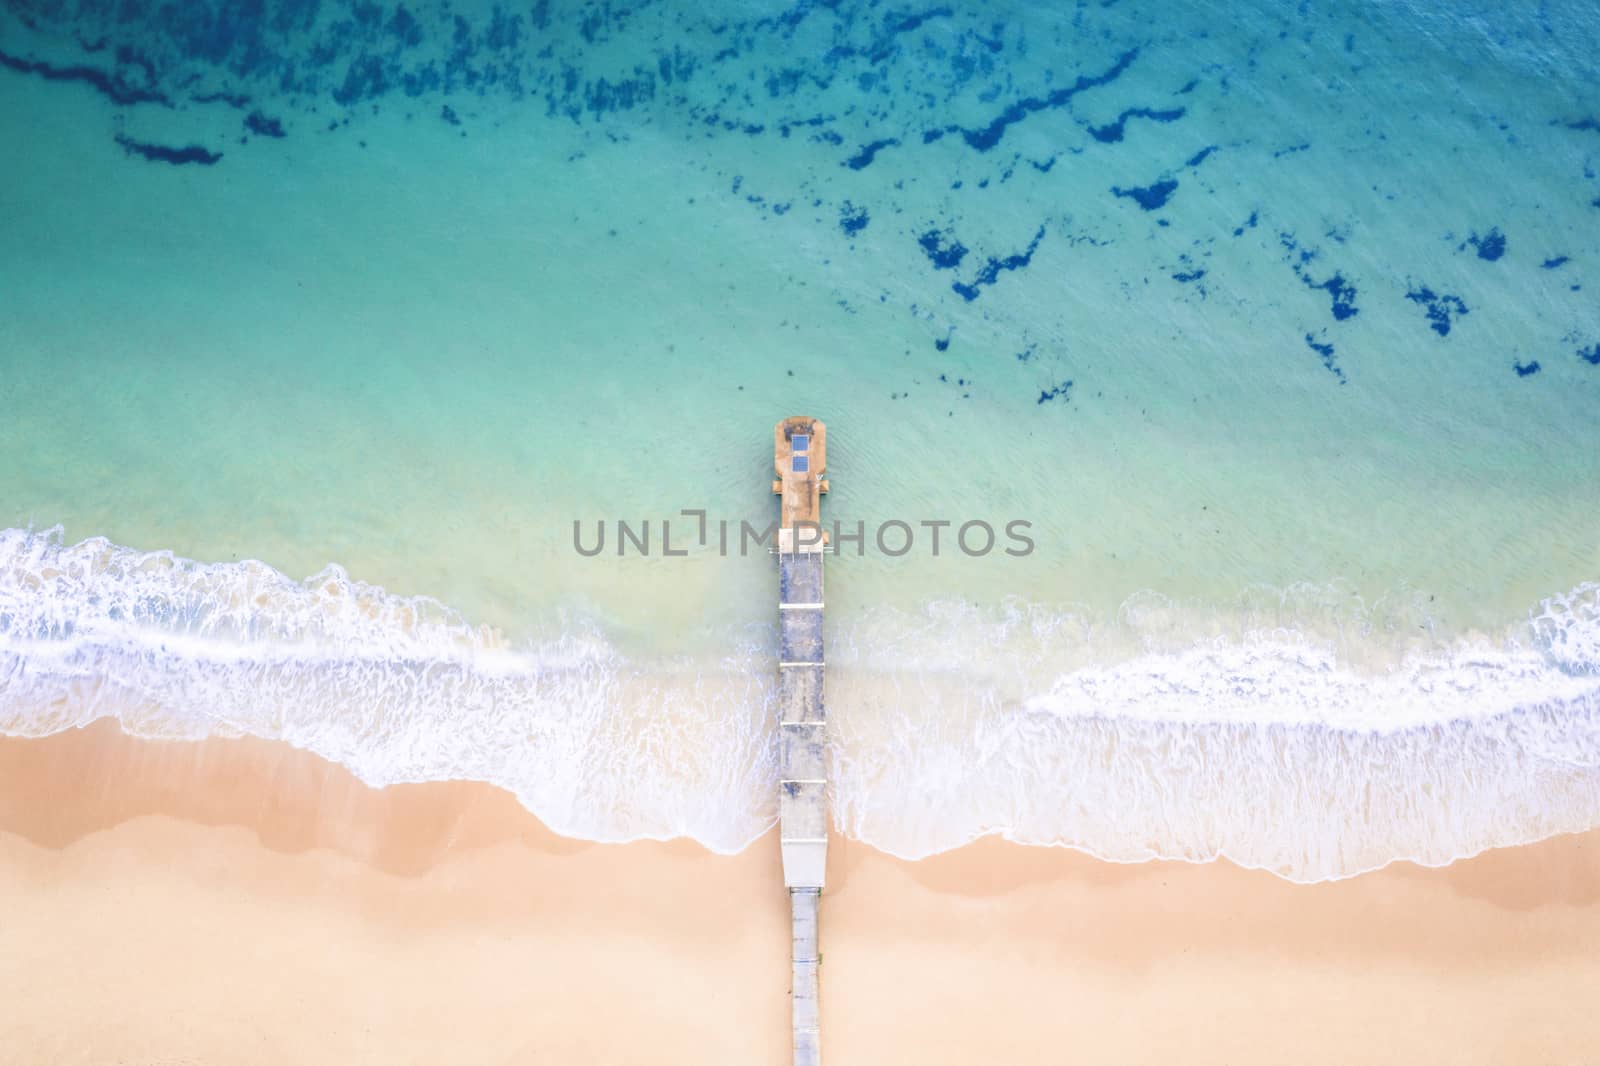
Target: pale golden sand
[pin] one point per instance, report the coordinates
(241, 902)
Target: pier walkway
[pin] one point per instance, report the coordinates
(800, 460)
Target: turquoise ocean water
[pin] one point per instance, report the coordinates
(322, 323)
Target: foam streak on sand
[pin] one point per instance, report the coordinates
(1268, 747)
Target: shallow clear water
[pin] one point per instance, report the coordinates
(1239, 308)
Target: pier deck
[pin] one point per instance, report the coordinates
(800, 460)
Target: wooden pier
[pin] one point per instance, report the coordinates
(800, 460)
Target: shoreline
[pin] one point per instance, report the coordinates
(1479, 743)
(239, 901)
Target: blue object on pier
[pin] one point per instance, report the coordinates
(802, 464)
(800, 441)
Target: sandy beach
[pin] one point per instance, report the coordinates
(238, 901)
(393, 393)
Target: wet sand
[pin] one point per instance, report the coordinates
(239, 901)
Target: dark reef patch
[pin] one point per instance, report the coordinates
(238, 101)
(853, 219)
(1149, 197)
(1114, 131)
(985, 137)
(894, 26)
(1590, 355)
(1525, 369)
(1325, 352)
(844, 82)
(1556, 261)
(160, 153)
(863, 158)
(556, 57)
(995, 267)
(907, 23)
(262, 125)
(1062, 392)
(366, 77)
(1490, 246)
(1442, 308)
(1340, 290)
(942, 249)
(785, 128)
(110, 86)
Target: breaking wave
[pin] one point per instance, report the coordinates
(1293, 732)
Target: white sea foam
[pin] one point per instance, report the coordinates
(394, 688)
(1294, 732)
(1267, 747)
